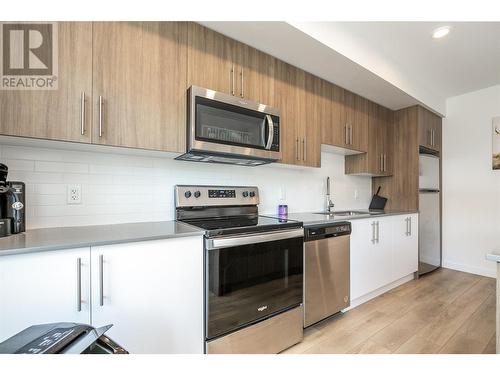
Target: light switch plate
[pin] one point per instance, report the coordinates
(74, 194)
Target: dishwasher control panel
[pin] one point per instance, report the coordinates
(327, 230)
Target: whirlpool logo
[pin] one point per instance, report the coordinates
(29, 56)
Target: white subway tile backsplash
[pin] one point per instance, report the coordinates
(49, 189)
(118, 188)
(19, 164)
(63, 167)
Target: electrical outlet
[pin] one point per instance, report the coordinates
(74, 194)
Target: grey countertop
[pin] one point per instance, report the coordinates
(494, 256)
(311, 218)
(73, 237)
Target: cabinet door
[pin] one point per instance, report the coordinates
(405, 245)
(311, 123)
(333, 131)
(56, 114)
(211, 60)
(437, 128)
(152, 293)
(255, 74)
(385, 137)
(140, 74)
(371, 256)
(289, 94)
(362, 258)
(359, 130)
(45, 287)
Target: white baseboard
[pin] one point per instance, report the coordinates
(360, 300)
(482, 271)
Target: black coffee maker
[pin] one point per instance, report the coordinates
(12, 204)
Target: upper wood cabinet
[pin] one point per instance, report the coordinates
(377, 161)
(348, 126)
(255, 74)
(222, 64)
(429, 129)
(210, 60)
(298, 95)
(316, 111)
(289, 99)
(139, 84)
(64, 113)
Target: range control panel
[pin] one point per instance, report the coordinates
(202, 196)
(223, 193)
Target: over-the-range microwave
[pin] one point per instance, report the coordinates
(223, 128)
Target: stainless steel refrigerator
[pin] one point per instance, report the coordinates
(429, 214)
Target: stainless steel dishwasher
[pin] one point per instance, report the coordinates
(326, 270)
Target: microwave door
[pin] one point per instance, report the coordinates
(218, 122)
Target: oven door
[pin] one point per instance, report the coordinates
(251, 277)
(221, 123)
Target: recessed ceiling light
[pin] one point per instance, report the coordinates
(440, 32)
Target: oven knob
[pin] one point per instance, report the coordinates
(197, 194)
(245, 194)
(252, 194)
(187, 194)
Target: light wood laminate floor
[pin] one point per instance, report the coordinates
(445, 311)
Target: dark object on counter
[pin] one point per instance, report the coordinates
(378, 202)
(5, 227)
(61, 338)
(12, 203)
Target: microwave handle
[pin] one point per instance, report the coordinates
(270, 132)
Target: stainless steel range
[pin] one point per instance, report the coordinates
(253, 270)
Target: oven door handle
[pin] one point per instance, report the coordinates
(233, 241)
(270, 132)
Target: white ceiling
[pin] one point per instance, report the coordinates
(396, 64)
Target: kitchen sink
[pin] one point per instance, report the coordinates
(344, 213)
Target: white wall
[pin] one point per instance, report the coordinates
(121, 188)
(471, 189)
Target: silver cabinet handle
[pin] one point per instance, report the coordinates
(350, 134)
(433, 137)
(100, 116)
(241, 91)
(270, 132)
(385, 162)
(378, 232)
(406, 231)
(82, 113)
(101, 280)
(232, 79)
(381, 163)
(409, 226)
(373, 232)
(79, 284)
(297, 150)
(304, 157)
(346, 134)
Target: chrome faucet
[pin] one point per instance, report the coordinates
(329, 203)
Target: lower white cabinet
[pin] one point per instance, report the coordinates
(405, 245)
(152, 293)
(383, 250)
(45, 287)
